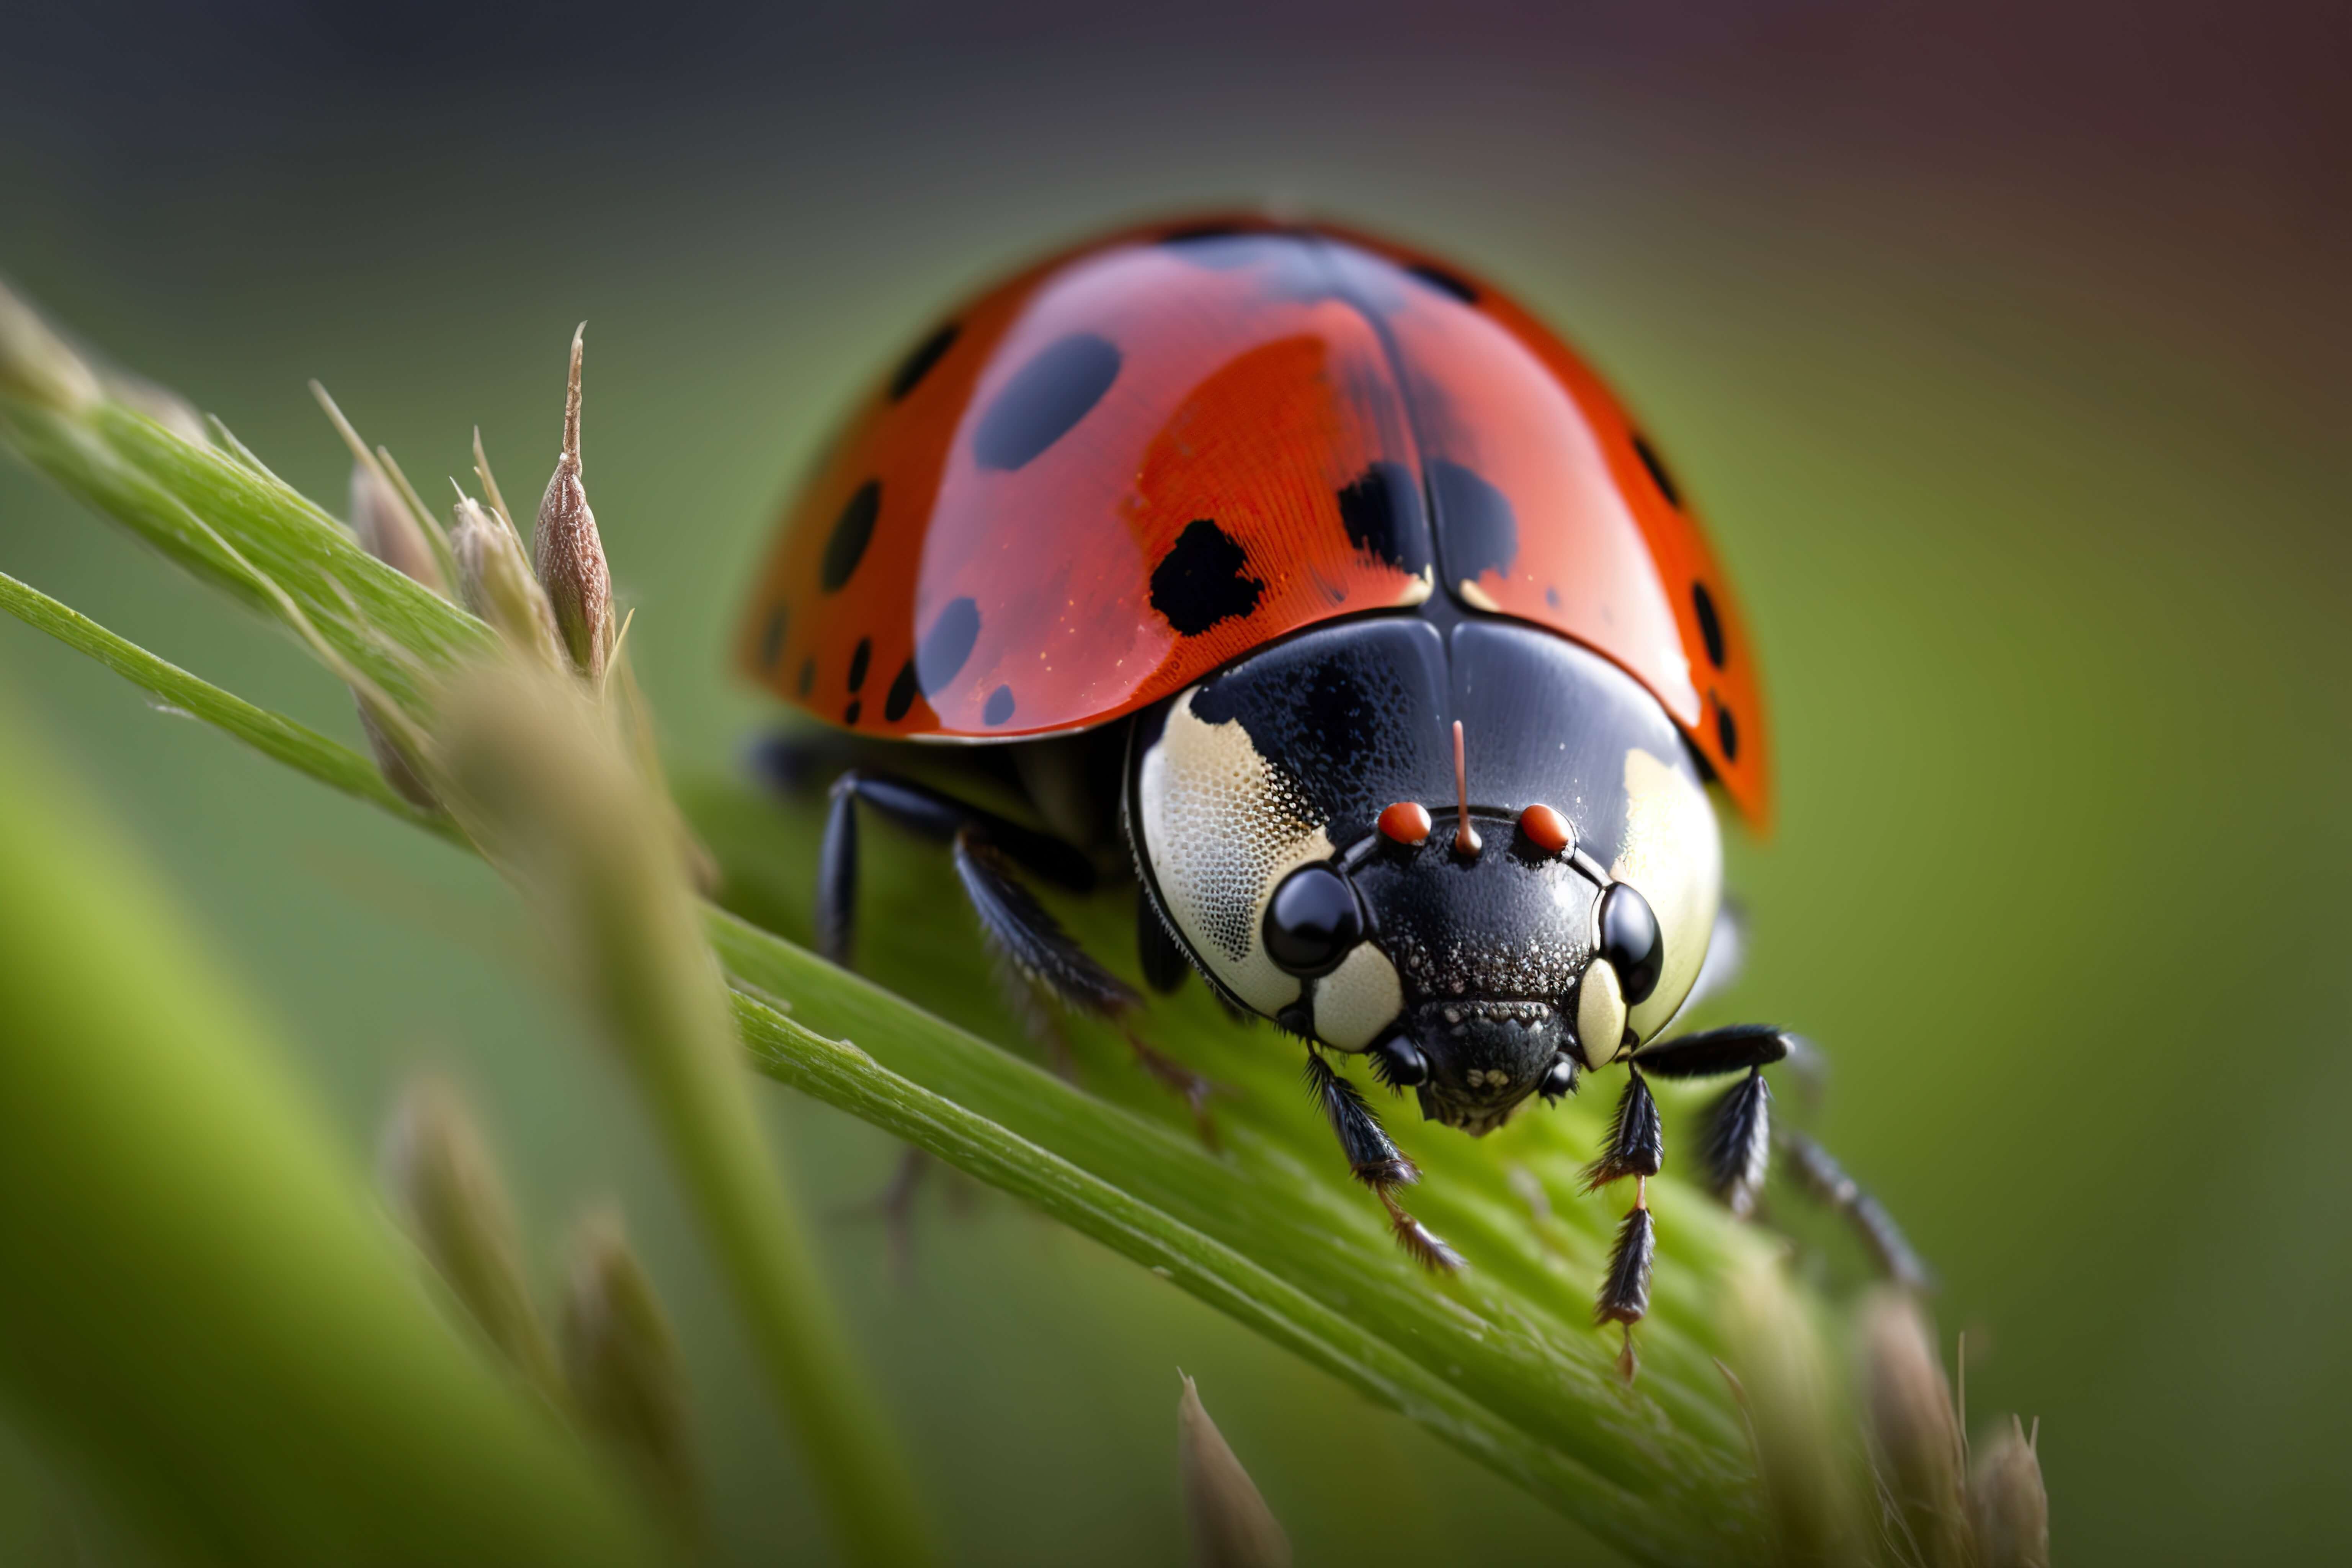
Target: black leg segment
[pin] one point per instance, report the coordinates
(1715, 1052)
(1376, 1161)
(935, 815)
(1637, 1144)
(1025, 935)
(1820, 1174)
(1735, 1142)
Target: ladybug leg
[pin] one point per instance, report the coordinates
(1027, 937)
(1033, 945)
(1376, 1161)
(1737, 1135)
(1822, 1176)
(934, 815)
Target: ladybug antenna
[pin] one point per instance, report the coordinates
(1466, 837)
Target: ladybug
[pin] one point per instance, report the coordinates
(1326, 580)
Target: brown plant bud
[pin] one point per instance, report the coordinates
(622, 1363)
(497, 584)
(567, 552)
(388, 531)
(1914, 1436)
(1231, 1526)
(441, 1180)
(2008, 1504)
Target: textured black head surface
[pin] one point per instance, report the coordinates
(1488, 950)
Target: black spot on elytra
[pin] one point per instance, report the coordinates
(1000, 706)
(1382, 512)
(858, 660)
(808, 674)
(852, 532)
(1725, 731)
(849, 714)
(918, 365)
(1658, 475)
(1444, 282)
(772, 637)
(1551, 595)
(949, 643)
(1198, 582)
(902, 693)
(1475, 519)
(1044, 400)
(1710, 625)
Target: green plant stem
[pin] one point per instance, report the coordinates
(539, 773)
(272, 734)
(202, 1304)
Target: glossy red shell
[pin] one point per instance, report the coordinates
(1131, 464)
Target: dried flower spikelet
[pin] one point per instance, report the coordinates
(398, 770)
(1915, 1434)
(37, 364)
(159, 403)
(567, 550)
(2008, 1504)
(538, 773)
(441, 1180)
(620, 1362)
(388, 531)
(1795, 1418)
(497, 584)
(1231, 1526)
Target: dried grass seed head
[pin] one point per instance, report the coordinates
(388, 531)
(568, 550)
(1799, 1421)
(1914, 1433)
(1231, 1526)
(2008, 1504)
(437, 1170)
(497, 583)
(621, 1360)
(37, 363)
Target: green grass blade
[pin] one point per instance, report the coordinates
(202, 1306)
(275, 736)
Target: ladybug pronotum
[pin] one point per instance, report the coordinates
(1317, 585)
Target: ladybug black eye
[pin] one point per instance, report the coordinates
(1632, 942)
(1312, 922)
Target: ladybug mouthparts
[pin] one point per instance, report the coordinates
(1484, 1055)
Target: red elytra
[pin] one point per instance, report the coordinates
(1128, 465)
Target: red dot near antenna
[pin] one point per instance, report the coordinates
(1546, 829)
(1406, 822)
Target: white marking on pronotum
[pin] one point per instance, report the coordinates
(1222, 829)
(1673, 851)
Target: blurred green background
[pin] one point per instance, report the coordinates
(2005, 353)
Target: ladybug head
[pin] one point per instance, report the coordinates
(1488, 920)
(1503, 961)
